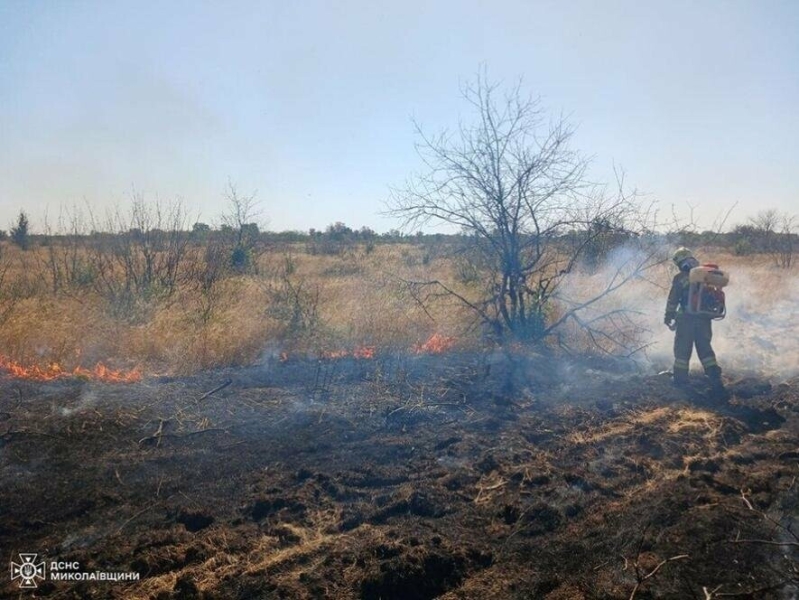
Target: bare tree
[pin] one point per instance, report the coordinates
(240, 227)
(66, 260)
(787, 241)
(765, 223)
(518, 191)
(778, 238)
(771, 232)
(139, 255)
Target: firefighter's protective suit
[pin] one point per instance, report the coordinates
(691, 330)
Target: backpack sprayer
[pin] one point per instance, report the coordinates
(705, 293)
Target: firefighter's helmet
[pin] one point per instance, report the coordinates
(680, 255)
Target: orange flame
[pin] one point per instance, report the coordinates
(55, 371)
(365, 352)
(435, 344)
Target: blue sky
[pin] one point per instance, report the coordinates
(310, 103)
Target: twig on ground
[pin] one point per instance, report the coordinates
(654, 571)
(12, 432)
(119, 479)
(229, 446)
(774, 521)
(599, 566)
(750, 593)
(157, 435)
(189, 499)
(489, 488)
(215, 390)
(767, 542)
(203, 431)
(137, 515)
(746, 500)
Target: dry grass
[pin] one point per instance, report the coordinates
(346, 301)
(355, 297)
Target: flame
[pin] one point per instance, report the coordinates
(435, 344)
(55, 371)
(365, 352)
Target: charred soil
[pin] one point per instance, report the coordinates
(450, 476)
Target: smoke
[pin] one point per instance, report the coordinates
(761, 331)
(760, 334)
(85, 401)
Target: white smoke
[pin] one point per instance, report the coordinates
(86, 401)
(759, 335)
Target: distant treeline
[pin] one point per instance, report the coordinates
(768, 233)
(742, 239)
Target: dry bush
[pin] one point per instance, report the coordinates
(329, 302)
(140, 256)
(67, 331)
(179, 340)
(215, 316)
(303, 303)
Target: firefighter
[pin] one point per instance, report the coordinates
(690, 330)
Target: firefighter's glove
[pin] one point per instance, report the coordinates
(670, 323)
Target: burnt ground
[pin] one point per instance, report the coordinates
(405, 477)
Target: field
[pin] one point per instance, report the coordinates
(369, 449)
(56, 310)
(291, 301)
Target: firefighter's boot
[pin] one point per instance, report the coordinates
(680, 378)
(719, 391)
